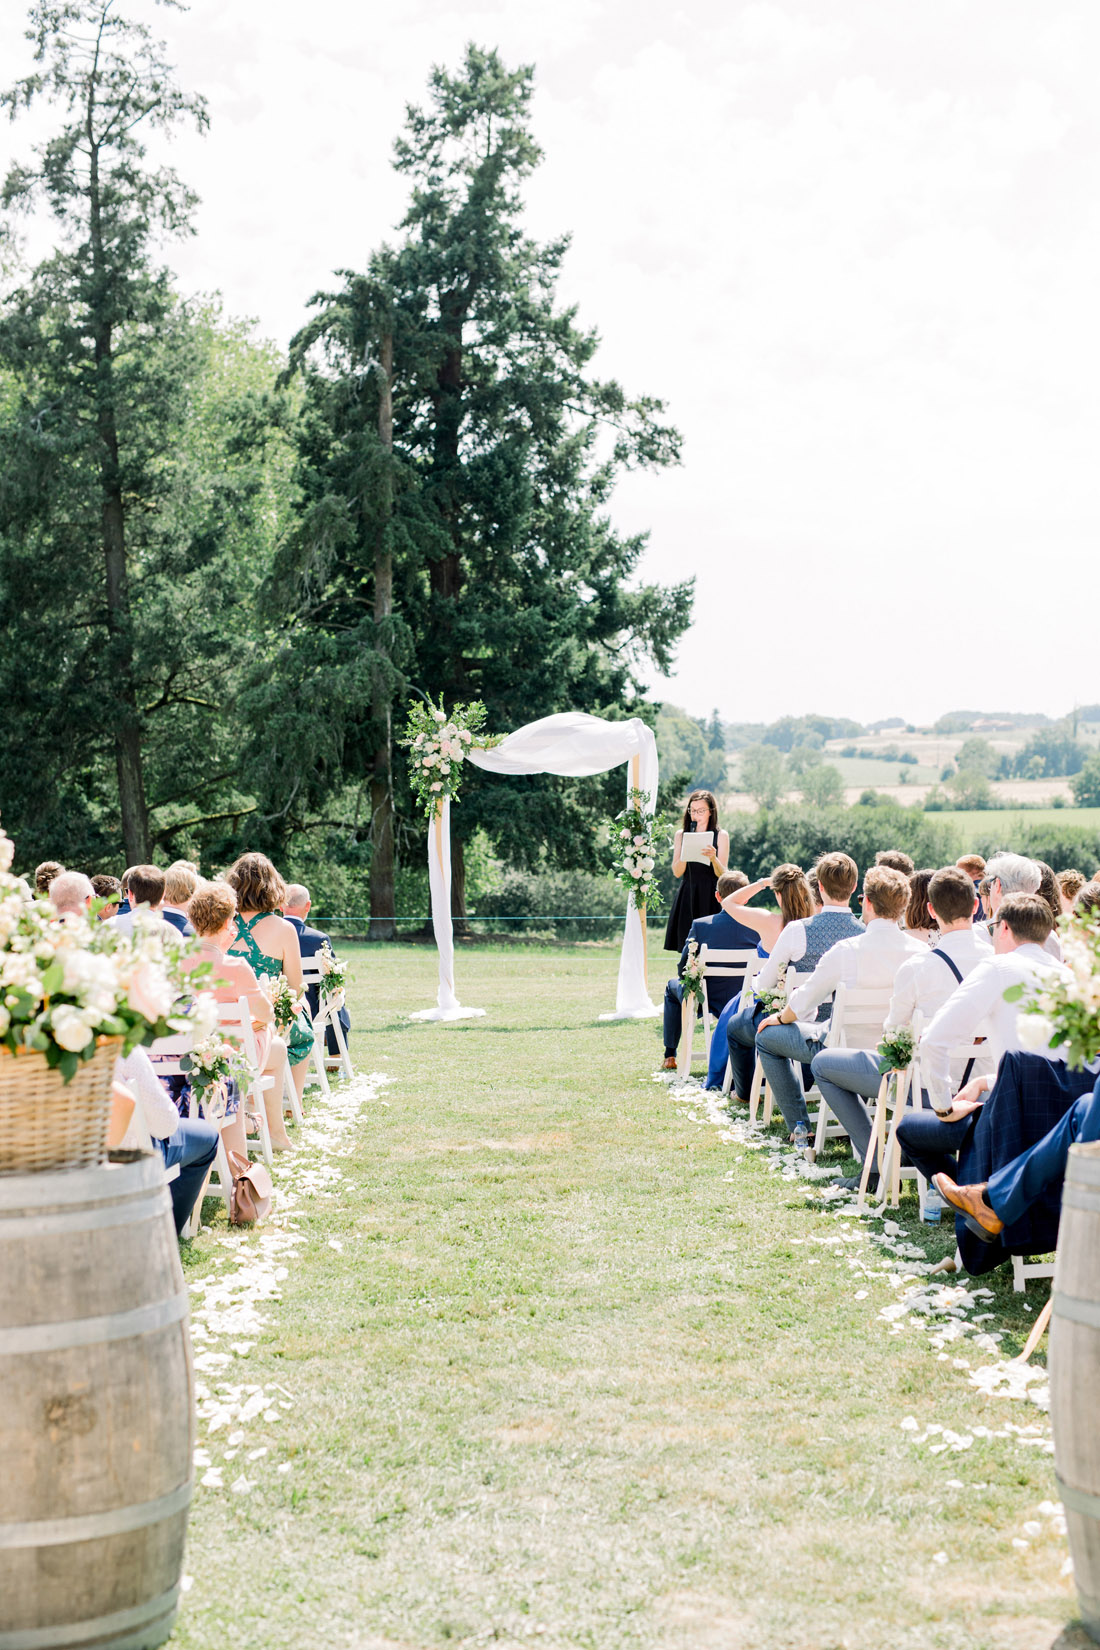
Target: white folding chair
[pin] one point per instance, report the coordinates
(166, 1055)
(1023, 1269)
(858, 1016)
(328, 1015)
(717, 965)
(754, 968)
(760, 1088)
(235, 1020)
(311, 977)
(911, 1099)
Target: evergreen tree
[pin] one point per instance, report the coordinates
(85, 432)
(510, 584)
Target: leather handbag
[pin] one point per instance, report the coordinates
(250, 1198)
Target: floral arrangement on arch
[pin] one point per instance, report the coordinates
(68, 982)
(438, 744)
(638, 839)
(1066, 1012)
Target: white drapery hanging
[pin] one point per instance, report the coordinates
(574, 745)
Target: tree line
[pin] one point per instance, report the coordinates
(225, 567)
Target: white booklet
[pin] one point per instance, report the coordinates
(692, 845)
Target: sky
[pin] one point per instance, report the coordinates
(855, 248)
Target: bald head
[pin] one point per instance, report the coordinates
(297, 902)
(71, 891)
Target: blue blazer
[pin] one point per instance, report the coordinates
(310, 941)
(721, 932)
(177, 921)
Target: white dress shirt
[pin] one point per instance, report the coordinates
(924, 983)
(868, 959)
(155, 1106)
(789, 949)
(977, 1008)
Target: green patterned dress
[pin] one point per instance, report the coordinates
(299, 1038)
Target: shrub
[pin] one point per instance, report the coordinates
(759, 842)
(537, 897)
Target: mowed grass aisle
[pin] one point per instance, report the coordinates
(563, 1382)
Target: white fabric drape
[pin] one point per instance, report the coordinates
(573, 744)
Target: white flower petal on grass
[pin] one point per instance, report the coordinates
(334, 1243)
(1020, 1546)
(1032, 1527)
(241, 1486)
(939, 1558)
(257, 1454)
(212, 1480)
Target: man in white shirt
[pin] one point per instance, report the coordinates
(189, 1143)
(872, 958)
(977, 1008)
(922, 985)
(145, 890)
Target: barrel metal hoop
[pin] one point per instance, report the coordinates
(1078, 1197)
(1078, 1501)
(1077, 1311)
(114, 1326)
(144, 1615)
(1083, 1165)
(58, 1532)
(84, 1220)
(105, 1183)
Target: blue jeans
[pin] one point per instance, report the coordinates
(1013, 1189)
(842, 1075)
(741, 1046)
(781, 1048)
(193, 1145)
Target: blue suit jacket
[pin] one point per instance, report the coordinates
(721, 932)
(310, 941)
(177, 921)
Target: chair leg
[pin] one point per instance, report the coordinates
(258, 1114)
(291, 1101)
(876, 1146)
(1037, 1331)
(342, 1044)
(755, 1088)
(727, 1080)
(823, 1116)
(687, 1033)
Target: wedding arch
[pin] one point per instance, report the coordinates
(574, 745)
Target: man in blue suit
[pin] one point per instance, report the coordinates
(296, 908)
(719, 932)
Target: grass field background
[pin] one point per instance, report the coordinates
(563, 1367)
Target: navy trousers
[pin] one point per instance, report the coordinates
(193, 1145)
(1013, 1189)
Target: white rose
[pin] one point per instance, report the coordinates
(5, 1020)
(1034, 1032)
(639, 842)
(648, 864)
(7, 852)
(625, 834)
(440, 715)
(70, 1029)
(150, 993)
(466, 736)
(418, 741)
(444, 767)
(437, 786)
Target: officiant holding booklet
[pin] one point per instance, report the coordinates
(699, 855)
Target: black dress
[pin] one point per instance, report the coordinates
(694, 898)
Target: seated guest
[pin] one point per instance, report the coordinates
(976, 1008)
(1011, 874)
(1050, 893)
(973, 865)
(296, 908)
(1087, 903)
(146, 890)
(871, 957)
(213, 910)
(895, 860)
(270, 944)
(109, 889)
(720, 932)
(71, 894)
(44, 874)
(922, 985)
(190, 1143)
(798, 899)
(124, 884)
(1007, 1196)
(985, 915)
(1070, 884)
(919, 919)
(180, 883)
(801, 945)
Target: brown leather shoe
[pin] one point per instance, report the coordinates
(669, 1063)
(968, 1200)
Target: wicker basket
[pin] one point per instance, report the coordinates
(48, 1124)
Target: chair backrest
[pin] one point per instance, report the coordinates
(721, 964)
(859, 1014)
(235, 1019)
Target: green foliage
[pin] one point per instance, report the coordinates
(759, 842)
(808, 730)
(970, 789)
(762, 772)
(977, 756)
(684, 747)
(539, 896)
(821, 786)
(1085, 785)
(1050, 753)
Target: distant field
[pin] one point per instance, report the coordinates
(1007, 821)
(865, 771)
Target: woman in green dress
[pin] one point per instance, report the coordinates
(270, 944)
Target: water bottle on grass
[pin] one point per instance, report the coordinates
(801, 1138)
(933, 1205)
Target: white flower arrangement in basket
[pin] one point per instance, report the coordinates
(638, 839)
(438, 744)
(67, 983)
(1066, 1012)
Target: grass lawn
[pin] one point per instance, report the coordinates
(561, 1366)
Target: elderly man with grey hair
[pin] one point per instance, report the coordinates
(1015, 874)
(71, 893)
(296, 909)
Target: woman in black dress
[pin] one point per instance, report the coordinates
(695, 896)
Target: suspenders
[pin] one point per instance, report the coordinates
(954, 967)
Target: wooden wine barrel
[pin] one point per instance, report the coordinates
(96, 1409)
(1075, 1373)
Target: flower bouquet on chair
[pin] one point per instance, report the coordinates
(74, 994)
(286, 1003)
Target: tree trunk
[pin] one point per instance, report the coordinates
(458, 888)
(382, 897)
(137, 845)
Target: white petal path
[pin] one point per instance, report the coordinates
(948, 1309)
(227, 1307)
